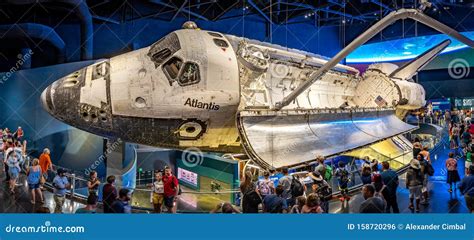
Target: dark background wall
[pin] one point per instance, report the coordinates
(20, 106)
(112, 39)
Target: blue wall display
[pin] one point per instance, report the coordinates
(403, 49)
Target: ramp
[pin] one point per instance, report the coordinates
(291, 138)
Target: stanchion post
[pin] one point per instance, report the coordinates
(73, 189)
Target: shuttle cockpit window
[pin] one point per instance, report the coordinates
(221, 43)
(184, 73)
(189, 74)
(163, 49)
(214, 34)
(160, 56)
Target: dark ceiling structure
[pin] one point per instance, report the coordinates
(325, 12)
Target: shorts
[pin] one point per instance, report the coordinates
(415, 192)
(169, 201)
(157, 198)
(33, 186)
(13, 174)
(453, 177)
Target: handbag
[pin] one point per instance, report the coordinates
(42, 180)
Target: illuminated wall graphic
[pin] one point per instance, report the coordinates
(402, 49)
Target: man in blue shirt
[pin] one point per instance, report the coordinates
(122, 204)
(60, 184)
(274, 203)
(467, 189)
(390, 179)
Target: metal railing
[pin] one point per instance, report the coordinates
(203, 201)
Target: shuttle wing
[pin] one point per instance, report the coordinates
(408, 70)
(275, 140)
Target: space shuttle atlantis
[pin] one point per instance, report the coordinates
(198, 89)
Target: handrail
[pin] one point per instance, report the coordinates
(353, 189)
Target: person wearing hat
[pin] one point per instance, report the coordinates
(414, 182)
(321, 188)
(60, 184)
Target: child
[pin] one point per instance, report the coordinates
(300, 202)
(157, 195)
(343, 180)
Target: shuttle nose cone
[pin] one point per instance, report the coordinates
(46, 100)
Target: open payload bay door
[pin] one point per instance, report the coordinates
(290, 138)
(398, 151)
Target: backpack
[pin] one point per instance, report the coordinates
(263, 187)
(325, 192)
(328, 173)
(296, 188)
(344, 176)
(429, 169)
